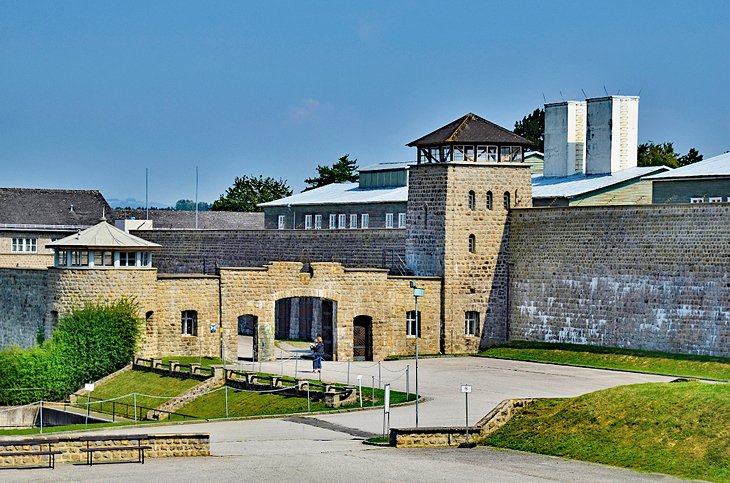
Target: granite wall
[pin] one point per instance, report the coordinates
(640, 277)
(22, 305)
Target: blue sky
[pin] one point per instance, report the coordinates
(92, 93)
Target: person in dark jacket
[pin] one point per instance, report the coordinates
(318, 354)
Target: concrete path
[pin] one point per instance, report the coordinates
(329, 447)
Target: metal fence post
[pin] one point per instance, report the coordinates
(135, 408)
(373, 393)
(226, 389)
(309, 403)
(41, 415)
(408, 382)
(379, 379)
(348, 372)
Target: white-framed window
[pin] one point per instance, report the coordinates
(353, 221)
(342, 221)
(487, 154)
(307, 222)
(127, 259)
(317, 222)
(715, 199)
(333, 221)
(490, 201)
(401, 220)
(145, 259)
(389, 220)
(189, 320)
(506, 200)
(25, 245)
(471, 323)
(282, 222)
(364, 220)
(696, 200)
(413, 323)
(472, 200)
(511, 154)
(472, 244)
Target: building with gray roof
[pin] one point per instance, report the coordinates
(706, 181)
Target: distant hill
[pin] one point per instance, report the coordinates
(134, 203)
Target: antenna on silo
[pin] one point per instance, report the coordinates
(618, 92)
(604, 90)
(585, 96)
(561, 95)
(640, 92)
(147, 193)
(543, 98)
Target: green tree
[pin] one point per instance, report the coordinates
(248, 191)
(692, 156)
(532, 128)
(189, 205)
(343, 171)
(650, 154)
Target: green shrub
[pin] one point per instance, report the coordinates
(89, 343)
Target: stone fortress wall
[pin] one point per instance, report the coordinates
(201, 251)
(23, 295)
(653, 277)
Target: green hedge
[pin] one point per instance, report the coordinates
(88, 344)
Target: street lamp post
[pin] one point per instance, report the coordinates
(417, 292)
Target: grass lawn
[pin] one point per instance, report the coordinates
(610, 358)
(244, 404)
(680, 428)
(142, 383)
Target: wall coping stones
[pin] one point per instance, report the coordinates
(176, 276)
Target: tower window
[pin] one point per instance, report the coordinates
(413, 323)
(490, 201)
(472, 200)
(506, 200)
(472, 243)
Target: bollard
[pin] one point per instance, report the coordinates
(359, 383)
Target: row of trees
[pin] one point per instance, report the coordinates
(532, 128)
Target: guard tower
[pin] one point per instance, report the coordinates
(469, 174)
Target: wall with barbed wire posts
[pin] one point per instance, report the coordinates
(651, 277)
(355, 292)
(23, 295)
(202, 251)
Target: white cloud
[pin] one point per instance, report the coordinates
(304, 110)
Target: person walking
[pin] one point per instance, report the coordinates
(318, 354)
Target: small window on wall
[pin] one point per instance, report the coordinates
(487, 154)
(145, 259)
(472, 200)
(317, 222)
(333, 221)
(189, 319)
(79, 258)
(696, 200)
(342, 221)
(25, 245)
(389, 220)
(401, 220)
(281, 222)
(506, 200)
(472, 244)
(103, 259)
(365, 220)
(307, 222)
(353, 221)
(490, 201)
(471, 323)
(413, 323)
(715, 199)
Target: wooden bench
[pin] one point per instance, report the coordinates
(51, 453)
(91, 450)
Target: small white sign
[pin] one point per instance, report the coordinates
(418, 292)
(89, 386)
(386, 399)
(465, 388)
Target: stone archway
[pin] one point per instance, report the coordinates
(304, 318)
(362, 338)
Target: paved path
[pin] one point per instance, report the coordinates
(329, 447)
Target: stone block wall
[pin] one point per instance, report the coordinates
(22, 305)
(644, 277)
(175, 294)
(199, 251)
(370, 292)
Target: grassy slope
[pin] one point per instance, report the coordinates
(676, 428)
(142, 383)
(610, 358)
(244, 404)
